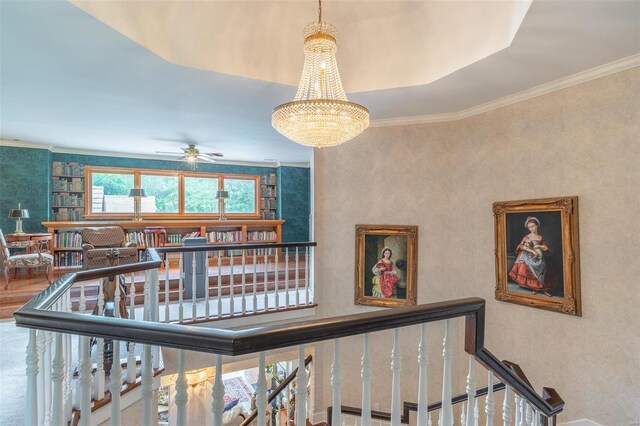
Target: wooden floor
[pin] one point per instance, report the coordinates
(24, 287)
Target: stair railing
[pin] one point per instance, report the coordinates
(50, 314)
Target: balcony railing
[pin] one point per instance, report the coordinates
(59, 344)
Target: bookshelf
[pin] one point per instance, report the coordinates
(268, 197)
(67, 241)
(67, 191)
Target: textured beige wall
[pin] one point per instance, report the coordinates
(444, 177)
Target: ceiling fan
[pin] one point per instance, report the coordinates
(192, 155)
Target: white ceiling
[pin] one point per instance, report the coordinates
(71, 81)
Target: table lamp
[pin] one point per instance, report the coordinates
(137, 194)
(221, 196)
(19, 214)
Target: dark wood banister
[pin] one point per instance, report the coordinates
(35, 314)
(273, 395)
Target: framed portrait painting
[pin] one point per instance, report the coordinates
(386, 265)
(537, 253)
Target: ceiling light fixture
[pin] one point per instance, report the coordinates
(320, 115)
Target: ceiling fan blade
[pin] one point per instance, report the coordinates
(205, 158)
(166, 152)
(212, 154)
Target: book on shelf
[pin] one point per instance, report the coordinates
(64, 199)
(67, 214)
(62, 185)
(67, 258)
(224, 236)
(72, 168)
(268, 214)
(253, 236)
(269, 179)
(67, 240)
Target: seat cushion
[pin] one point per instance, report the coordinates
(30, 259)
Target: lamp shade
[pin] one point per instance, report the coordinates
(19, 213)
(137, 192)
(222, 194)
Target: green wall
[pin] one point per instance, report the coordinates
(25, 177)
(294, 202)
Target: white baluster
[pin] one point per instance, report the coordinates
(517, 408)
(99, 380)
(463, 414)
(182, 396)
(276, 270)
(261, 391)
(149, 411)
(115, 384)
(48, 355)
(132, 297)
(116, 299)
(286, 277)
(167, 317)
(244, 282)
(423, 362)
(266, 281)
(219, 284)
(180, 289)
(336, 383)
(429, 423)
(217, 406)
(232, 309)
(85, 379)
(146, 312)
(255, 283)
(57, 377)
(366, 382)
(41, 345)
(131, 363)
(471, 390)
(395, 381)
(523, 414)
(528, 414)
(82, 304)
(207, 313)
(297, 278)
(31, 401)
(194, 298)
(536, 418)
(307, 299)
(68, 391)
(476, 413)
(506, 407)
(489, 404)
(301, 389)
(446, 413)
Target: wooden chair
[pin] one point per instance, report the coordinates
(33, 258)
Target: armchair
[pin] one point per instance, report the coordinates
(98, 245)
(34, 258)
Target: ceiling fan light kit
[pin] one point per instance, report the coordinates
(320, 115)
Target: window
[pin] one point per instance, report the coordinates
(110, 192)
(162, 193)
(199, 194)
(242, 195)
(170, 194)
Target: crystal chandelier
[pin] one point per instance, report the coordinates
(320, 115)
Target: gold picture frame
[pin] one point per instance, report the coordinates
(386, 265)
(537, 253)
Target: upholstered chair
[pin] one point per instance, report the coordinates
(98, 244)
(33, 258)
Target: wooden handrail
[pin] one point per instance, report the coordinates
(276, 391)
(35, 314)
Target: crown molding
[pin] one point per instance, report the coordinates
(58, 150)
(553, 86)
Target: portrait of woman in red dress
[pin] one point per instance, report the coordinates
(385, 277)
(531, 269)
